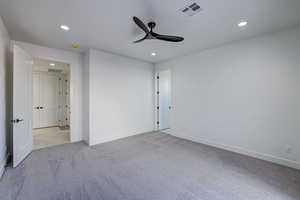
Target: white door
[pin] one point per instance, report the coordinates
(36, 100)
(22, 105)
(164, 99)
(49, 100)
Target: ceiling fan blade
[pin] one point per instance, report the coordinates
(141, 24)
(168, 38)
(140, 39)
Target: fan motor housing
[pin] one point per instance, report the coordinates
(151, 25)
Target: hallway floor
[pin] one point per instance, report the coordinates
(47, 137)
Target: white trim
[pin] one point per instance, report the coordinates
(254, 154)
(111, 139)
(156, 117)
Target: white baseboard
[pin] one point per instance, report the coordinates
(110, 139)
(262, 156)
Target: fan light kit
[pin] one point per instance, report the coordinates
(150, 35)
(65, 27)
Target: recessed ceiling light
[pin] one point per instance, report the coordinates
(242, 23)
(153, 54)
(65, 27)
(52, 64)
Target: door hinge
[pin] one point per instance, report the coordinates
(157, 107)
(157, 92)
(157, 77)
(157, 122)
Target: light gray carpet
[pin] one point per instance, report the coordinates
(152, 166)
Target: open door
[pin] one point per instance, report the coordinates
(164, 99)
(22, 105)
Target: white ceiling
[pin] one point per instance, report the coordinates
(107, 24)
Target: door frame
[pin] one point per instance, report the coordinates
(156, 94)
(76, 65)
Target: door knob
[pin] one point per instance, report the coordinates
(37, 107)
(17, 120)
(41, 107)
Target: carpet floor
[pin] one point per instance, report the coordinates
(152, 166)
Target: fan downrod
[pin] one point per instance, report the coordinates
(151, 25)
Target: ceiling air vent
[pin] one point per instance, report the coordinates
(191, 9)
(55, 70)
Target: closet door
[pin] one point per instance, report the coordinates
(36, 100)
(49, 100)
(164, 99)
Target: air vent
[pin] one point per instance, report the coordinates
(191, 9)
(55, 70)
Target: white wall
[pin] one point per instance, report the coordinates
(76, 93)
(120, 97)
(4, 61)
(243, 97)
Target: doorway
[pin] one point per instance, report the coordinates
(164, 107)
(51, 103)
(25, 62)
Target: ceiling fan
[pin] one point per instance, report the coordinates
(150, 35)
